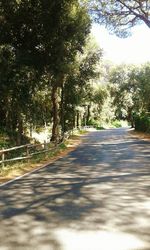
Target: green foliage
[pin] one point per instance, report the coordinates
(78, 92)
(116, 124)
(100, 128)
(130, 91)
(143, 81)
(8, 138)
(123, 90)
(142, 122)
(119, 123)
(94, 123)
(4, 139)
(99, 97)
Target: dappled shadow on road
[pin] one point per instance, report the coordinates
(99, 193)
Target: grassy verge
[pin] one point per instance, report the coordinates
(11, 171)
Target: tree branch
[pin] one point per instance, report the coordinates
(143, 18)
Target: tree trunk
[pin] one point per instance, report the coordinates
(20, 130)
(62, 117)
(31, 130)
(130, 117)
(78, 118)
(74, 119)
(88, 114)
(55, 128)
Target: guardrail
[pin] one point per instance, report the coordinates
(27, 154)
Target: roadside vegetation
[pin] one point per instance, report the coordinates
(15, 169)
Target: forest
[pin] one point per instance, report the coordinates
(52, 72)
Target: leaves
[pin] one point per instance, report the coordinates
(130, 89)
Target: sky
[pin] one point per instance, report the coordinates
(134, 49)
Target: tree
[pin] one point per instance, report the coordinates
(78, 91)
(120, 15)
(130, 90)
(141, 76)
(73, 28)
(17, 86)
(122, 91)
(45, 35)
(24, 28)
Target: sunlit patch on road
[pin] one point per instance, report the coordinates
(97, 240)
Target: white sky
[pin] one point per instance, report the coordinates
(134, 49)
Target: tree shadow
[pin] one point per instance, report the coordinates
(103, 185)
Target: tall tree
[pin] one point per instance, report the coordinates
(141, 77)
(73, 28)
(122, 91)
(45, 35)
(130, 90)
(78, 90)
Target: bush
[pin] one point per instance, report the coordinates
(119, 123)
(142, 123)
(93, 123)
(100, 128)
(116, 124)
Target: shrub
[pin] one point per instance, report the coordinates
(119, 123)
(93, 122)
(142, 123)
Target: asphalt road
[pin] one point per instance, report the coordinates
(95, 198)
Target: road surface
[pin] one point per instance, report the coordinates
(95, 198)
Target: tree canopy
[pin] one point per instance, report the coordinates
(120, 15)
